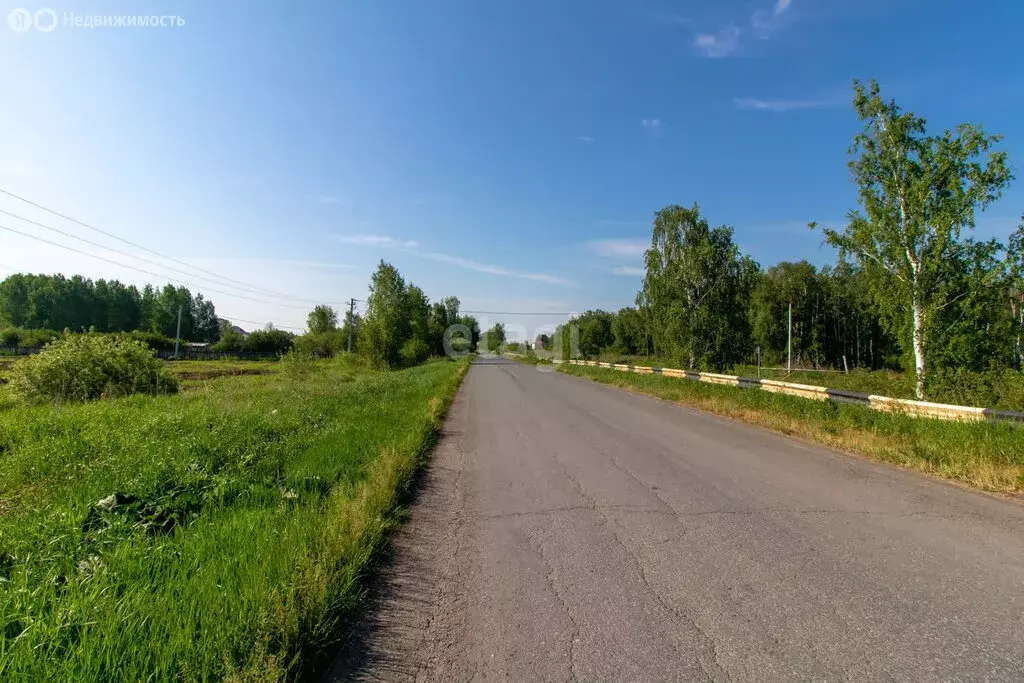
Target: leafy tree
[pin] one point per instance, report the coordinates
(629, 330)
(417, 313)
(322, 319)
(386, 327)
(205, 327)
(917, 192)
(268, 341)
(695, 290)
(595, 332)
(1015, 273)
(494, 338)
(231, 341)
(473, 325)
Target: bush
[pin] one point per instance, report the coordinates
(997, 388)
(79, 367)
(414, 352)
(16, 336)
(154, 340)
(322, 344)
(268, 341)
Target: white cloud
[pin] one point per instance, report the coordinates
(619, 248)
(378, 241)
(780, 106)
(409, 245)
(630, 271)
(586, 138)
(781, 6)
(762, 24)
(652, 124)
(496, 270)
(719, 44)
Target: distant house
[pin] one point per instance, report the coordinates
(224, 323)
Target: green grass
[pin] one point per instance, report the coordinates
(999, 389)
(249, 509)
(988, 456)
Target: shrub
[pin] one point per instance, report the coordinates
(16, 336)
(268, 341)
(322, 344)
(79, 367)
(154, 340)
(414, 352)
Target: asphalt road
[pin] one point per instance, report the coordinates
(571, 531)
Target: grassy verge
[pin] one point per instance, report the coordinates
(988, 456)
(1002, 389)
(237, 519)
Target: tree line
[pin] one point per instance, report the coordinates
(401, 326)
(910, 290)
(56, 302)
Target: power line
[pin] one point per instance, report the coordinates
(148, 272)
(140, 258)
(146, 249)
(231, 318)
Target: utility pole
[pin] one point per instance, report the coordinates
(351, 321)
(789, 342)
(177, 335)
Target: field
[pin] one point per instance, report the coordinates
(988, 456)
(221, 532)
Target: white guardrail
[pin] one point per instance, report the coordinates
(940, 411)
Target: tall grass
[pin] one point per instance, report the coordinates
(219, 533)
(988, 455)
(1000, 388)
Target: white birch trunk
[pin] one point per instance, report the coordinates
(919, 366)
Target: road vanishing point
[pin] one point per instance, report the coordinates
(570, 531)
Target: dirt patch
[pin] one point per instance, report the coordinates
(220, 372)
(6, 364)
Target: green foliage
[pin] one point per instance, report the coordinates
(78, 303)
(268, 341)
(15, 336)
(494, 338)
(322, 319)
(414, 351)
(918, 193)
(79, 367)
(386, 327)
(695, 291)
(629, 329)
(595, 332)
(986, 455)
(321, 344)
(154, 340)
(402, 327)
(215, 535)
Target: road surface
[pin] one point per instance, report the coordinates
(567, 530)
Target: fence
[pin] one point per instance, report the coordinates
(905, 406)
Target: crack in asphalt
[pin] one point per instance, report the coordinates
(714, 669)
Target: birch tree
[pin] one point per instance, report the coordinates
(1015, 270)
(917, 193)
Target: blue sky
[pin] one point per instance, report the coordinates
(511, 154)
